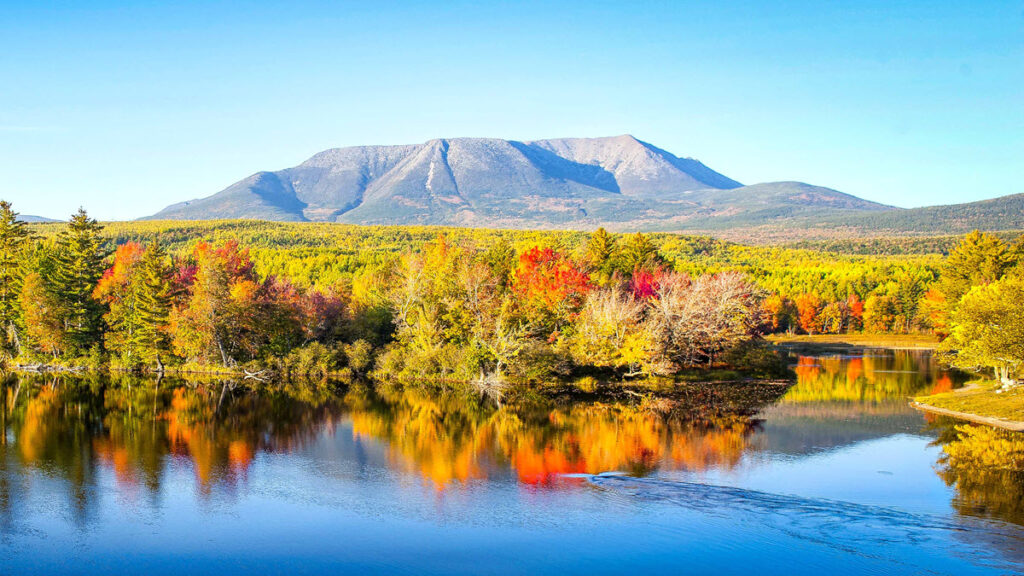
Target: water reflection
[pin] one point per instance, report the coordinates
(70, 426)
(986, 467)
(871, 378)
(68, 430)
(855, 397)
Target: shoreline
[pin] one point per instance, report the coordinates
(833, 342)
(1011, 425)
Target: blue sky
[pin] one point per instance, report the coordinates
(127, 107)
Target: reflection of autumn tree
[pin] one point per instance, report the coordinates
(447, 439)
(986, 466)
(132, 427)
(442, 437)
(876, 379)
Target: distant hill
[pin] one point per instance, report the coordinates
(619, 182)
(575, 182)
(1003, 213)
(36, 219)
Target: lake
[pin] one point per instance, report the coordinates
(835, 474)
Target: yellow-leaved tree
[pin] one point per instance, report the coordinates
(987, 330)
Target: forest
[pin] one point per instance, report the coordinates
(473, 305)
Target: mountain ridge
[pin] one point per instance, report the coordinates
(489, 182)
(619, 182)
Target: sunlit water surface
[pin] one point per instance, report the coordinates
(834, 475)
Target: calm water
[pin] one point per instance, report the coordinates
(834, 475)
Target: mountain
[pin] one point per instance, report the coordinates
(620, 182)
(1002, 213)
(36, 219)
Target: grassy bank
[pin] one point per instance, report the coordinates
(979, 402)
(895, 341)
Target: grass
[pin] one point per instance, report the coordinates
(980, 399)
(916, 341)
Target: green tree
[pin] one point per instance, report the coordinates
(14, 236)
(979, 259)
(79, 266)
(136, 290)
(987, 329)
(638, 252)
(155, 299)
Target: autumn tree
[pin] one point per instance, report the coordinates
(881, 314)
(855, 309)
(213, 326)
(550, 286)
(432, 323)
(14, 236)
(137, 292)
(987, 329)
(833, 318)
(40, 309)
(119, 289)
(600, 255)
(610, 332)
(980, 258)
(780, 312)
(807, 308)
(155, 302)
(695, 321)
(638, 252)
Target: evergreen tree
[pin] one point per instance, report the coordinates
(14, 236)
(639, 252)
(154, 304)
(600, 248)
(979, 259)
(79, 266)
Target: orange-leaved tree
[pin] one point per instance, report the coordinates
(550, 287)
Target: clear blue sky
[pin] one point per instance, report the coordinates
(127, 107)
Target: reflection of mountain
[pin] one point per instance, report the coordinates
(799, 429)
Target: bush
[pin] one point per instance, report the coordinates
(757, 358)
(359, 356)
(587, 384)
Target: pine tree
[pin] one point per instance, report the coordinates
(600, 248)
(14, 236)
(154, 304)
(639, 252)
(79, 266)
(979, 259)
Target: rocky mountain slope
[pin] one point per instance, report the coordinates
(620, 182)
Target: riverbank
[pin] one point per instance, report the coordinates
(978, 403)
(837, 342)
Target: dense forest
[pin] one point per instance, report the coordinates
(465, 304)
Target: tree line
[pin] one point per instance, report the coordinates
(444, 310)
(461, 303)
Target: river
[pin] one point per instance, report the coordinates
(836, 474)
